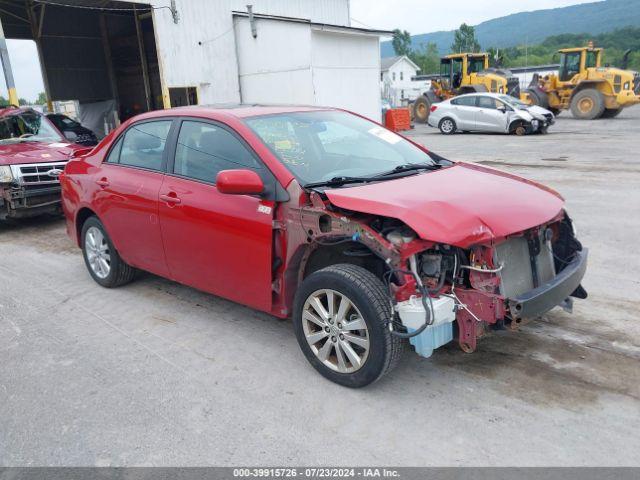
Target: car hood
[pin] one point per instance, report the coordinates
(460, 205)
(538, 111)
(35, 152)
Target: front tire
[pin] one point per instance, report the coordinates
(340, 319)
(587, 104)
(101, 258)
(447, 126)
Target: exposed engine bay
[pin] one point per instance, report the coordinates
(440, 292)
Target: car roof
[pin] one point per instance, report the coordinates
(233, 110)
(486, 94)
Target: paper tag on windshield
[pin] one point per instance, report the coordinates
(385, 135)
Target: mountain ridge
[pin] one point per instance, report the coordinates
(533, 27)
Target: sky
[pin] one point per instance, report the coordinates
(416, 16)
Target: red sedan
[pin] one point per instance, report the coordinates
(364, 238)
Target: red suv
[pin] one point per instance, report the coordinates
(364, 238)
(32, 155)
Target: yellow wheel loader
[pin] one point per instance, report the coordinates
(582, 85)
(463, 73)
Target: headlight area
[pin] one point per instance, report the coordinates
(447, 292)
(5, 174)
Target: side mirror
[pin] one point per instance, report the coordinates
(239, 182)
(502, 108)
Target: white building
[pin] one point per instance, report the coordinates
(142, 55)
(395, 79)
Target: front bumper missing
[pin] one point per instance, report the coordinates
(553, 293)
(18, 202)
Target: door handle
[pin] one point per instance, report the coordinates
(103, 182)
(169, 198)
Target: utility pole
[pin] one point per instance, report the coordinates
(6, 67)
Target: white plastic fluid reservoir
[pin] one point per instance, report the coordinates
(413, 315)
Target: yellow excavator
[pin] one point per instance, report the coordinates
(584, 86)
(463, 73)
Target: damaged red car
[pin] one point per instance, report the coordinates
(364, 238)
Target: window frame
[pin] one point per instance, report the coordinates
(456, 101)
(122, 135)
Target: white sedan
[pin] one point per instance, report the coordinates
(489, 112)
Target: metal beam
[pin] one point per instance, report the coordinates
(36, 27)
(143, 60)
(6, 67)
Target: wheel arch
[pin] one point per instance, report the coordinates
(516, 123)
(601, 86)
(83, 214)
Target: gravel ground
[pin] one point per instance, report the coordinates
(156, 373)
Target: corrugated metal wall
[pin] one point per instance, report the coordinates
(200, 50)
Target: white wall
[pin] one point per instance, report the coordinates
(345, 72)
(298, 63)
(200, 49)
(275, 67)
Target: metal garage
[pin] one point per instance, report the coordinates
(119, 58)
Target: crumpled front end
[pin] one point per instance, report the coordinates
(33, 189)
(490, 286)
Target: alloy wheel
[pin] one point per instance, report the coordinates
(336, 331)
(447, 126)
(97, 251)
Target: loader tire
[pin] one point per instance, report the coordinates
(538, 98)
(611, 112)
(421, 109)
(587, 104)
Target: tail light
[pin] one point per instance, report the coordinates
(433, 108)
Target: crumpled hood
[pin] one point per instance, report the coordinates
(538, 111)
(35, 152)
(460, 205)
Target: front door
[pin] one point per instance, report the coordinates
(127, 200)
(488, 117)
(215, 242)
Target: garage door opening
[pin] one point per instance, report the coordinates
(104, 57)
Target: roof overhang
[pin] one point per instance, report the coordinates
(324, 27)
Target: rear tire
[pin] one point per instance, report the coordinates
(587, 104)
(447, 126)
(101, 258)
(350, 344)
(611, 112)
(421, 109)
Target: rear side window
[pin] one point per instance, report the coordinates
(143, 145)
(204, 149)
(464, 101)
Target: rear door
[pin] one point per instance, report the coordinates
(488, 117)
(464, 109)
(127, 201)
(216, 242)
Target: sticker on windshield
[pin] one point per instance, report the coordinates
(58, 145)
(385, 135)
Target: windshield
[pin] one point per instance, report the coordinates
(27, 127)
(321, 145)
(514, 102)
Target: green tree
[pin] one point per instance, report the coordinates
(401, 42)
(3, 102)
(22, 101)
(427, 58)
(42, 99)
(464, 40)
